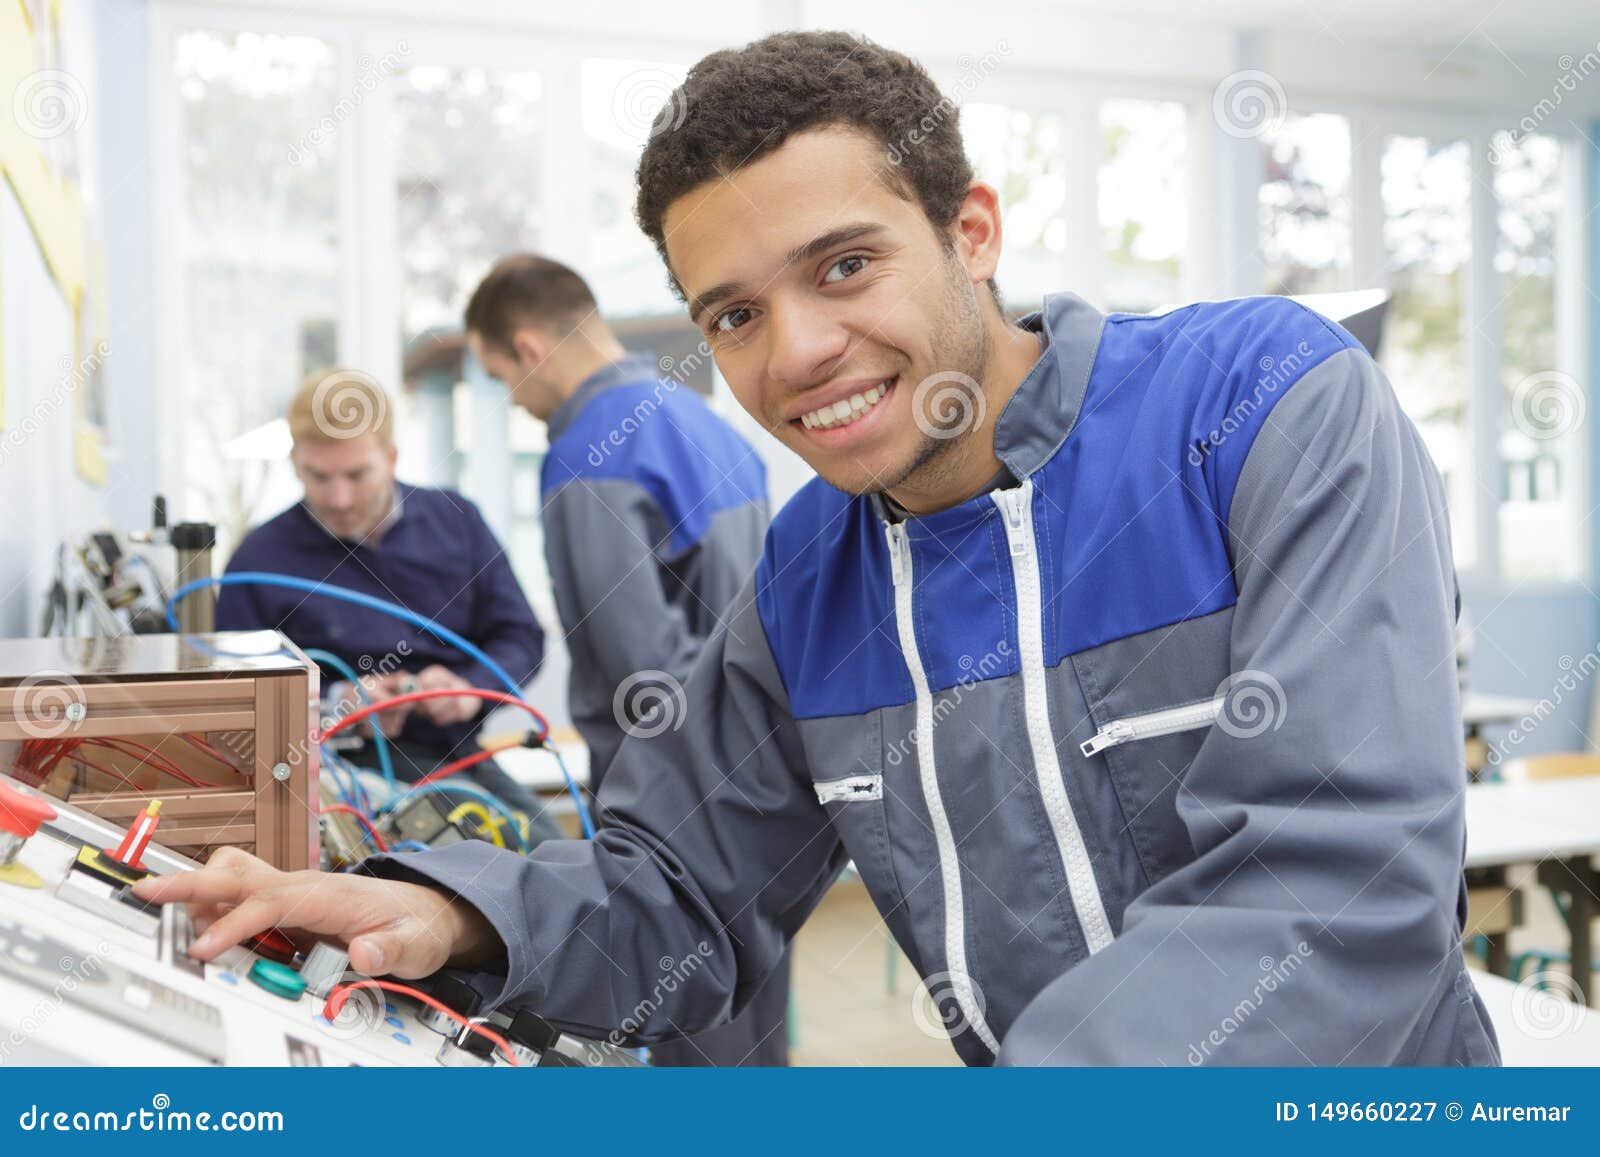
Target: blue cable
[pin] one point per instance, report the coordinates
(410, 846)
(361, 801)
(379, 741)
(475, 793)
(344, 594)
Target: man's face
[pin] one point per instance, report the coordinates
(517, 372)
(349, 483)
(827, 299)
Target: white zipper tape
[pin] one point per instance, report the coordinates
(1169, 721)
(851, 787)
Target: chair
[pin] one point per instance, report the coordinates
(1560, 765)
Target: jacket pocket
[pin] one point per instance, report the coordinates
(845, 754)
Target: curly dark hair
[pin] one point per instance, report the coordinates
(738, 105)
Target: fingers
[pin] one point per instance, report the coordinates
(228, 877)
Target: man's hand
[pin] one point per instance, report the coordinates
(390, 927)
(446, 711)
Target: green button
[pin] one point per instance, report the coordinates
(278, 979)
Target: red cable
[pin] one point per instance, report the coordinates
(463, 763)
(365, 822)
(209, 750)
(341, 993)
(442, 693)
(147, 755)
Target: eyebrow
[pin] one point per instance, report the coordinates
(700, 303)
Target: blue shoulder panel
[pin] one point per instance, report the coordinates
(664, 438)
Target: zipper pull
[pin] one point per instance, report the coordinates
(1013, 508)
(1109, 736)
(898, 548)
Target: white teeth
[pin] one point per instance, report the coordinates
(842, 413)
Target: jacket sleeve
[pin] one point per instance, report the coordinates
(503, 624)
(1317, 922)
(712, 851)
(600, 536)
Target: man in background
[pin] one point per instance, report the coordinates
(654, 513)
(429, 550)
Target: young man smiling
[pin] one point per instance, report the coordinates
(1108, 728)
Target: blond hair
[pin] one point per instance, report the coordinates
(339, 404)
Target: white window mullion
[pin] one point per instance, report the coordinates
(1481, 324)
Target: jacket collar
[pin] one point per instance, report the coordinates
(633, 368)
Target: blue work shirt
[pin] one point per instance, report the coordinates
(437, 557)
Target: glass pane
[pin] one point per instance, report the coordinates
(1023, 155)
(620, 101)
(1544, 402)
(1143, 212)
(1305, 204)
(468, 147)
(1427, 234)
(260, 263)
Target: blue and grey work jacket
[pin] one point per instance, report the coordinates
(1152, 757)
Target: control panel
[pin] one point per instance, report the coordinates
(90, 975)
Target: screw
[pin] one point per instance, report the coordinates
(281, 772)
(77, 712)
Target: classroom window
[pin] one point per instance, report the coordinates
(259, 249)
(1543, 401)
(1143, 205)
(1427, 235)
(1304, 204)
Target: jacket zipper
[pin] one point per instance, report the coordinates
(955, 931)
(1017, 508)
(1153, 724)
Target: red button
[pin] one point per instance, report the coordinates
(21, 814)
(274, 945)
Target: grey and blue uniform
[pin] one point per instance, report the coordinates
(654, 512)
(1152, 757)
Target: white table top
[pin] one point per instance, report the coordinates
(1478, 708)
(1515, 823)
(1538, 1028)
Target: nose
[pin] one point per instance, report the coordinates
(805, 343)
(339, 495)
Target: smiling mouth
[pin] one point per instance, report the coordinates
(846, 411)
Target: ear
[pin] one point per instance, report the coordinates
(976, 231)
(531, 346)
(393, 455)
